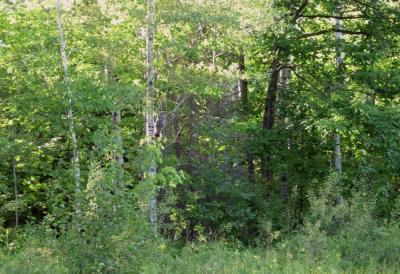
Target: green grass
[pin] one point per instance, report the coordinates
(333, 239)
(292, 256)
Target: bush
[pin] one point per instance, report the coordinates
(208, 209)
(348, 230)
(111, 236)
(37, 253)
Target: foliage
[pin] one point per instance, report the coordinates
(360, 246)
(274, 155)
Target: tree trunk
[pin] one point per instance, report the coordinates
(177, 132)
(192, 113)
(14, 172)
(284, 86)
(75, 159)
(269, 118)
(117, 156)
(338, 154)
(150, 95)
(270, 100)
(150, 92)
(243, 84)
(244, 90)
(341, 84)
(115, 124)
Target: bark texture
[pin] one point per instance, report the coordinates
(150, 95)
(341, 84)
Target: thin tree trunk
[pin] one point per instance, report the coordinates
(150, 94)
(14, 172)
(177, 132)
(75, 159)
(243, 84)
(269, 117)
(244, 90)
(192, 122)
(284, 85)
(338, 153)
(270, 100)
(341, 84)
(117, 156)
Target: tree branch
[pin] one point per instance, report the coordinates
(321, 32)
(300, 10)
(327, 16)
(305, 80)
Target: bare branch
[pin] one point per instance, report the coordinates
(178, 104)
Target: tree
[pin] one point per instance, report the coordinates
(150, 95)
(71, 125)
(341, 85)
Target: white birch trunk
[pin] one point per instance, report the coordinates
(340, 55)
(150, 94)
(338, 153)
(75, 159)
(285, 78)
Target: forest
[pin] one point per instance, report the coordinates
(199, 136)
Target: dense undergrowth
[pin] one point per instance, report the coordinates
(334, 238)
(377, 252)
